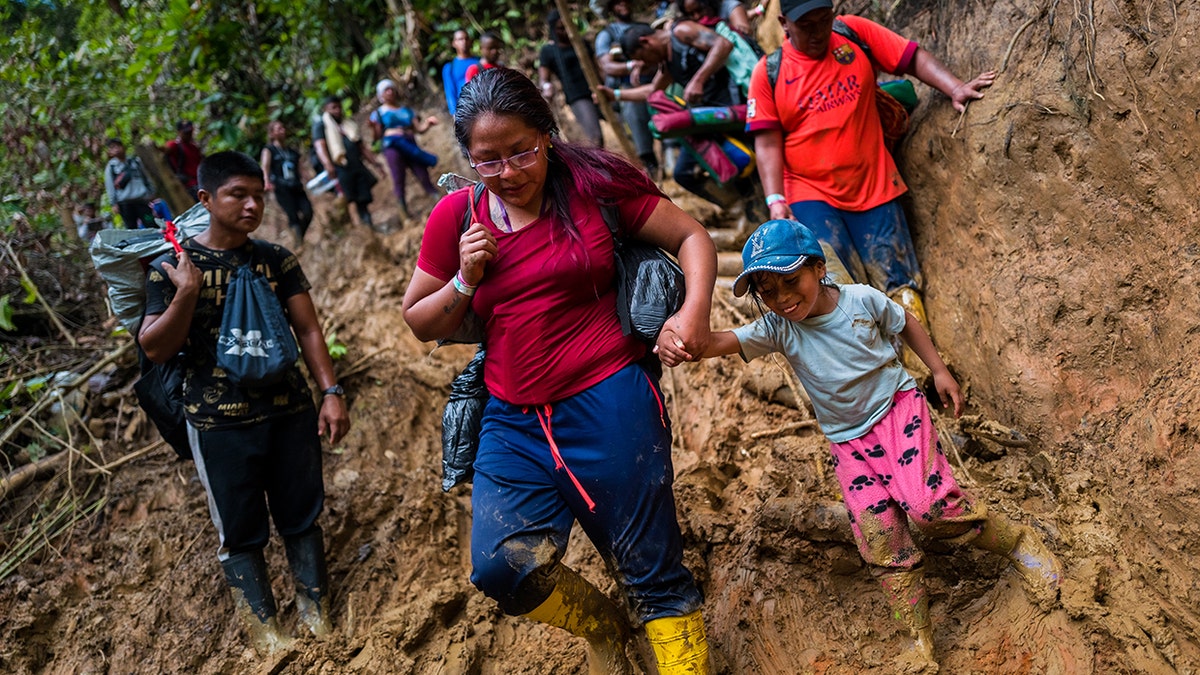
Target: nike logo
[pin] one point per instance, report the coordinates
(790, 80)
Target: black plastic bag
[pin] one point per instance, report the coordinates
(461, 423)
(650, 287)
(159, 393)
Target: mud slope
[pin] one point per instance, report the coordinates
(1057, 226)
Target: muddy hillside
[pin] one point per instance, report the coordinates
(1057, 225)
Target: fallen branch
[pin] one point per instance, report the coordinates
(963, 476)
(136, 454)
(24, 475)
(46, 400)
(783, 430)
(28, 283)
(360, 365)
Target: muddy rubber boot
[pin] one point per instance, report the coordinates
(306, 557)
(582, 610)
(1041, 573)
(910, 300)
(680, 644)
(906, 596)
(246, 574)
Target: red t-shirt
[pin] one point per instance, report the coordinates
(476, 68)
(184, 159)
(833, 144)
(549, 303)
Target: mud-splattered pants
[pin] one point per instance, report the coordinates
(274, 466)
(895, 472)
(614, 439)
(875, 245)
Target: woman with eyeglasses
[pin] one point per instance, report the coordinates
(575, 428)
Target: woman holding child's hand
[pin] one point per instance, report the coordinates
(574, 428)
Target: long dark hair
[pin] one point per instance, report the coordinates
(594, 173)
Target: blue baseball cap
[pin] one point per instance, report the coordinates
(780, 246)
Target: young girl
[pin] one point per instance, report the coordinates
(886, 453)
(397, 127)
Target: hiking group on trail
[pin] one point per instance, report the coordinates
(536, 259)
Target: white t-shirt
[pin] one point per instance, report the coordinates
(845, 359)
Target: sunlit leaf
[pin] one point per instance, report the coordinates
(6, 314)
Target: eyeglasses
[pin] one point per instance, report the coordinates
(521, 160)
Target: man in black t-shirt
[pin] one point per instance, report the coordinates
(558, 57)
(255, 447)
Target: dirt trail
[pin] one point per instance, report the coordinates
(1056, 222)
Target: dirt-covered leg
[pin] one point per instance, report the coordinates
(1041, 573)
(306, 557)
(578, 607)
(906, 596)
(254, 602)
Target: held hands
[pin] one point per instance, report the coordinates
(970, 91)
(682, 340)
(475, 248)
(333, 421)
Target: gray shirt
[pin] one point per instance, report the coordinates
(137, 187)
(845, 359)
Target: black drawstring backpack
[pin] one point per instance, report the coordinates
(255, 346)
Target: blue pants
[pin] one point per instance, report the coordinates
(615, 440)
(875, 245)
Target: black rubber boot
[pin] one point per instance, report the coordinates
(246, 574)
(306, 556)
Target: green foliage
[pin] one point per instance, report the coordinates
(73, 72)
(6, 319)
(337, 350)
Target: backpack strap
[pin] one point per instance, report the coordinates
(775, 58)
(847, 32)
(476, 195)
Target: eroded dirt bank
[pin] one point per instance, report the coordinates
(1056, 222)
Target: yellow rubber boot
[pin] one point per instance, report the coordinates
(680, 644)
(582, 610)
(1041, 573)
(911, 301)
(906, 595)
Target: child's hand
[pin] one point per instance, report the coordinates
(670, 348)
(947, 389)
(431, 121)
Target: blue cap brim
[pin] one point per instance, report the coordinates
(780, 264)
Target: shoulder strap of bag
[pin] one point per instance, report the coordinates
(476, 195)
(847, 32)
(775, 58)
(612, 218)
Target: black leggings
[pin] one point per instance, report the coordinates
(294, 202)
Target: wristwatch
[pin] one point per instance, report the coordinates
(335, 390)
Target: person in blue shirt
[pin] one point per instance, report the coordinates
(397, 127)
(454, 73)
